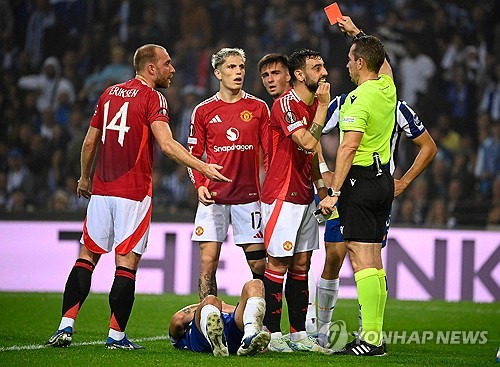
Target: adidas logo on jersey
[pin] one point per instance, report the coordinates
(216, 119)
(258, 235)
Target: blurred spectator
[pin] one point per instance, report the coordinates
(438, 215)
(18, 175)
(191, 96)
(6, 19)
(3, 190)
(405, 214)
(17, 202)
(490, 101)
(488, 158)
(9, 51)
(438, 178)
(415, 71)
(461, 170)
(115, 72)
(40, 21)
(461, 99)
(179, 192)
(278, 37)
(449, 137)
(459, 213)
(75, 203)
(58, 202)
(49, 85)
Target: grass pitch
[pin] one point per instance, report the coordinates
(28, 319)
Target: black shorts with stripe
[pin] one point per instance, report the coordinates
(365, 204)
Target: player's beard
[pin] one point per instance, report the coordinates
(161, 81)
(311, 84)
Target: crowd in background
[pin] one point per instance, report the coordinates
(58, 56)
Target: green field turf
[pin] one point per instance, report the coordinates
(27, 320)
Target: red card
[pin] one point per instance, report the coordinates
(333, 12)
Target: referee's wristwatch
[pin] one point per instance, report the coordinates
(332, 192)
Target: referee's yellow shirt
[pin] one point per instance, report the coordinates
(370, 109)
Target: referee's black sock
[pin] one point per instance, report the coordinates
(121, 298)
(297, 298)
(77, 288)
(273, 284)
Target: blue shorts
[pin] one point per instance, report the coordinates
(194, 340)
(333, 233)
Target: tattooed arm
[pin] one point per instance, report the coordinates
(180, 319)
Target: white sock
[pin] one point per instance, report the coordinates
(298, 335)
(311, 326)
(117, 335)
(65, 322)
(205, 311)
(253, 315)
(328, 291)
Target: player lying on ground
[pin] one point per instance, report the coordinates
(213, 326)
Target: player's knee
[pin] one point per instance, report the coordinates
(300, 266)
(211, 300)
(254, 288)
(257, 266)
(277, 264)
(333, 263)
(256, 260)
(208, 263)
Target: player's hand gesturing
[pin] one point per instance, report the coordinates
(211, 171)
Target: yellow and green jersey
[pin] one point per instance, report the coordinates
(370, 109)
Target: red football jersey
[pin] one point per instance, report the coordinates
(230, 134)
(289, 174)
(125, 113)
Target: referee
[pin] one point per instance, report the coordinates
(362, 182)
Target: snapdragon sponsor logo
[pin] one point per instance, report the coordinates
(229, 148)
(338, 335)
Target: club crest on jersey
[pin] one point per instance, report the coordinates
(417, 121)
(199, 230)
(287, 245)
(290, 117)
(232, 134)
(246, 115)
(163, 111)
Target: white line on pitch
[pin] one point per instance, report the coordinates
(41, 346)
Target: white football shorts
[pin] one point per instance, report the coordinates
(115, 222)
(212, 222)
(289, 228)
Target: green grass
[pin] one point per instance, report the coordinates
(30, 318)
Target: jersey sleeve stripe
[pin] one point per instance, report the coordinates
(408, 118)
(162, 100)
(333, 113)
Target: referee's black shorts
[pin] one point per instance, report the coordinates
(365, 204)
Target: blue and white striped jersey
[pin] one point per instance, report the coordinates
(407, 121)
